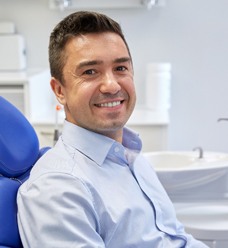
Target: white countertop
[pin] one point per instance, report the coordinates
(18, 77)
(141, 116)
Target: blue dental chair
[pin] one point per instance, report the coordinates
(19, 150)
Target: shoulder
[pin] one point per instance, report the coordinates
(56, 164)
(54, 177)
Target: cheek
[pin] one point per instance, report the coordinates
(132, 93)
(86, 92)
(130, 87)
(81, 96)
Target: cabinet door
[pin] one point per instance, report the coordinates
(14, 94)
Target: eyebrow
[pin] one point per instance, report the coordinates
(97, 62)
(122, 60)
(88, 63)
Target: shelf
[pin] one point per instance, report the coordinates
(18, 77)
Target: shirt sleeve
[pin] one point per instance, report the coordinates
(57, 210)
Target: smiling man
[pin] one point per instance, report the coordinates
(94, 188)
(97, 88)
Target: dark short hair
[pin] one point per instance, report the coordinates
(81, 22)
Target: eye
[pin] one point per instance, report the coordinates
(121, 68)
(89, 72)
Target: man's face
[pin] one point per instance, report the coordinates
(98, 92)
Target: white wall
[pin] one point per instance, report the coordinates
(191, 34)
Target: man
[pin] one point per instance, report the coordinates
(94, 188)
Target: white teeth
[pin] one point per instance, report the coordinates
(109, 104)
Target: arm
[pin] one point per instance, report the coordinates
(57, 210)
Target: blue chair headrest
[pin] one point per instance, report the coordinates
(19, 145)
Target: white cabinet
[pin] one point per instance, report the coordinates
(15, 94)
(45, 133)
(29, 91)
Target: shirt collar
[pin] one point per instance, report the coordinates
(94, 145)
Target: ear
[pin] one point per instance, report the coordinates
(58, 90)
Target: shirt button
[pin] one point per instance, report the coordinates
(117, 149)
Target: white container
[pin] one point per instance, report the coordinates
(12, 52)
(7, 28)
(158, 83)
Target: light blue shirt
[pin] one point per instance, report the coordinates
(90, 191)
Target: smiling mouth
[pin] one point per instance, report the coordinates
(109, 104)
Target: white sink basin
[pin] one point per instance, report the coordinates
(183, 160)
(178, 170)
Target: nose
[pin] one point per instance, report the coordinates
(110, 84)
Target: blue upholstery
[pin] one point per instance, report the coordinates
(19, 146)
(9, 234)
(19, 150)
